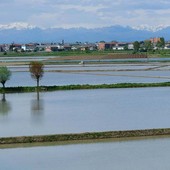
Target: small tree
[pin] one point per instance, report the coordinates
(126, 47)
(148, 45)
(36, 69)
(161, 43)
(136, 46)
(5, 75)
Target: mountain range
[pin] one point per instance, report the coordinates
(24, 33)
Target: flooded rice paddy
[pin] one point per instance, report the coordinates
(92, 74)
(85, 111)
(88, 111)
(152, 154)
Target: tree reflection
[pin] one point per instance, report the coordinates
(37, 108)
(5, 106)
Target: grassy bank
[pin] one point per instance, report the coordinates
(72, 53)
(62, 53)
(86, 136)
(155, 53)
(86, 86)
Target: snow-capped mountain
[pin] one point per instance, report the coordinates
(17, 26)
(24, 33)
(150, 28)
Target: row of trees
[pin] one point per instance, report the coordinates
(148, 45)
(36, 69)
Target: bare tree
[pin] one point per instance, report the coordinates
(36, 69)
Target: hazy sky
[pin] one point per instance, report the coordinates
(85, 13)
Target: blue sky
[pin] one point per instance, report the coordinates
(85, 13)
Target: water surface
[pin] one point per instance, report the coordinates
(150, 154)
(92, 74)
(85, 111)
(105, 77)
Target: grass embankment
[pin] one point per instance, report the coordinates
(154, 53)
(86, 86)
(85, 136)
(62, 53)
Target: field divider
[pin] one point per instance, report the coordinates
(85, 136)
(83, 87)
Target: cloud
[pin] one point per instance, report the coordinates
(85, 13)
(91, 9)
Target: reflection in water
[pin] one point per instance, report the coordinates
(38, 94)
(37, 108)
(5, 106)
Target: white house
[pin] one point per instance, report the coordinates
(130, 46)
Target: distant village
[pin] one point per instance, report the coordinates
(102, 45)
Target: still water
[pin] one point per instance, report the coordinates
(92, 74)
(107, 77)
(84, 111)
(149, 154)
(87, 67)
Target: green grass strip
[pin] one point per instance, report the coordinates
(86, 86)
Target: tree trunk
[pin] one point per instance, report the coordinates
(38, 96)
(3, 84)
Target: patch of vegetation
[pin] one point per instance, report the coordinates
(86, 136)
(86, 86)
(80, 53)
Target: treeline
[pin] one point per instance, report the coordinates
(149, 45)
